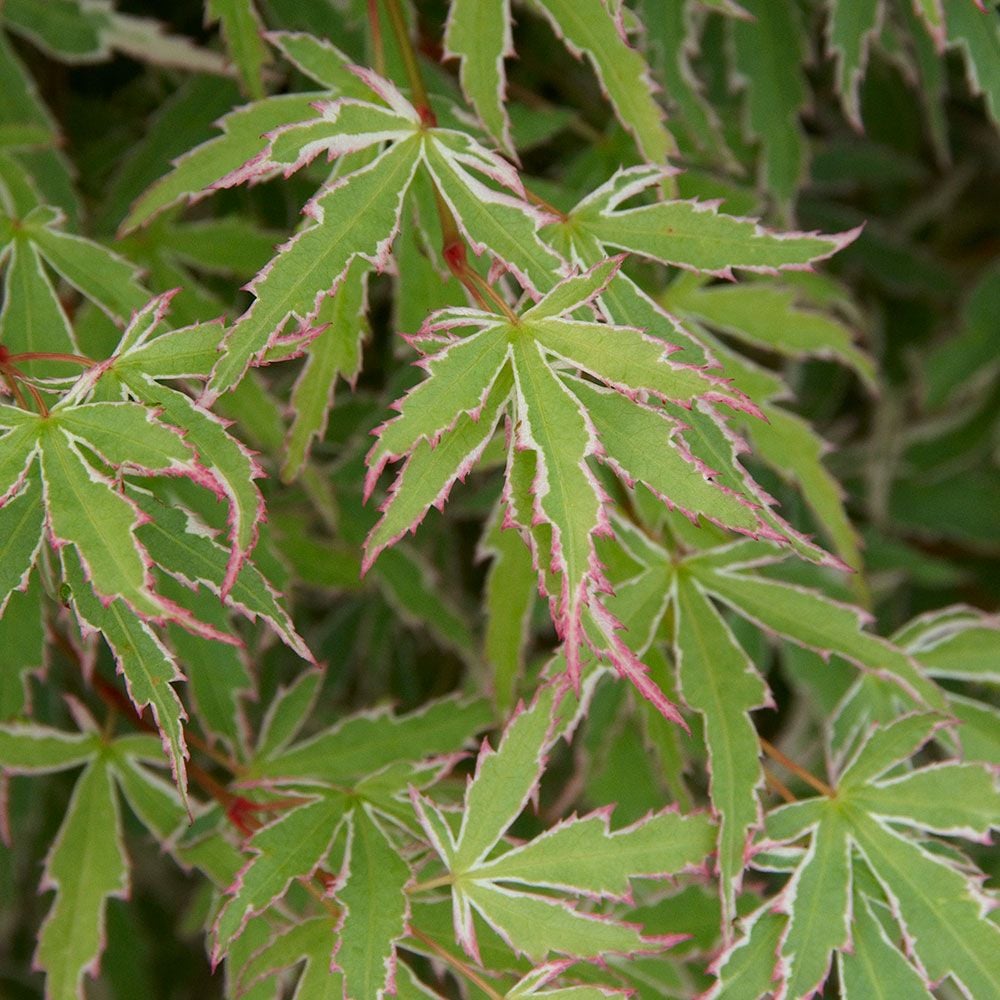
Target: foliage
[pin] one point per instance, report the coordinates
(626, 271)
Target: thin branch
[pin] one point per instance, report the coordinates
(777, 785)
(800, 772)
(378, 46)
(463, 968)
(420, 99)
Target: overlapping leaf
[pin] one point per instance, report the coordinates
(519, 365)
(357, 215)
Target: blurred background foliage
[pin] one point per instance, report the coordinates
(915, 157)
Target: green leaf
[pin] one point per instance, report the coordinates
(22, 527)
(479, 35)
(32, 320)
(292, 846)
(145, 663)
(815, 621)
(30, 748)
(357, 216)
(410, 585)
(321, 61)
(63, 28)
(537, 925)
(814, 931)
(718, 679)
(768, 316)
(155, 802)
(85, 865)
(460, 380)
(939, 910)
(591, 29)
(691, 234)
(432, 469)
(769, 58)
(287, 713)
(306, 940)
(853, 25)
(505, 226)
(242, 29)
(375, 908)
(586, 856)
(104, 277)
(673, 41)
(366, 743)
(180, 549)
(336, 351)
(875, 969)
(747, 968)
(503, 782)
(977, 33)
(22, 645)
(791, 447)
(244, 137)
(86, 510)
(509, 600)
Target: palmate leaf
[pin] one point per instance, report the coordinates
(306, 941)
(769, 316)
(84, 507)
(293, 846)
(689, 234)
(223, 464)
(356, 216)
(446, 421)
(809, 619)
(939, 909)
(580, 857)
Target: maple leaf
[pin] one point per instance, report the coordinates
(522, 366)
(580, 857)
(87, 863)
(937, 908)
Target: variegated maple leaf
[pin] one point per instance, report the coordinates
(67, 477)
(381, 141)
(572, 389)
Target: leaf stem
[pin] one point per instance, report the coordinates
(420, 99)
(378, 47)
(76, 359)
(800, 772)
(457, 964)
(15, 389)
(453, 245)
(777, 785)
(431, 883)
